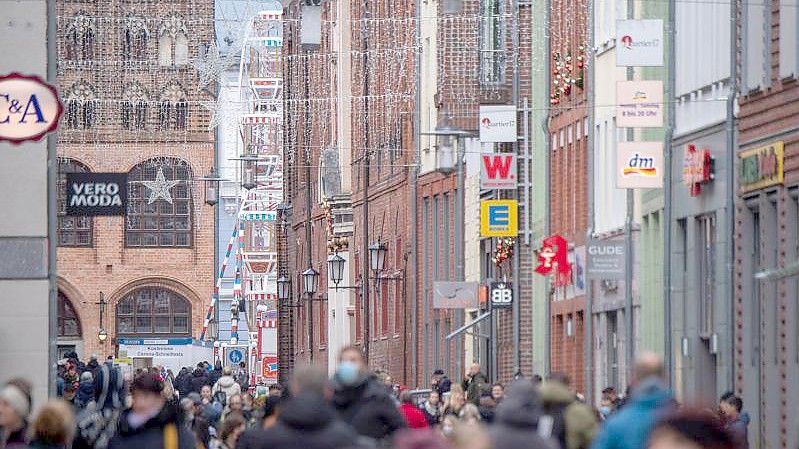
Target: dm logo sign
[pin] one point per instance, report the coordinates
(639, 165)
(91, 194)
(498, 218)
(29, 108)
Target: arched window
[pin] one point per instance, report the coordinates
(134, 41)
(72, 230)
(80, 38)
(173, 33)
(134, 107)
(151, 311)
(173, 108)
(68, 320)
(159, 204)
(81, 103)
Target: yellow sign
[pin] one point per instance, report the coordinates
(761, 167)
(498, 218)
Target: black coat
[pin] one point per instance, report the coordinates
(199, 379)
(183, 382)
(516, 420)
(214, 375)
(304, 422)
(151, 434)
(369, 409)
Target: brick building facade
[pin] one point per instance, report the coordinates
(132, 105)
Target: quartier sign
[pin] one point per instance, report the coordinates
(30, 108)
(762, 167)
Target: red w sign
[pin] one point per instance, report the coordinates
(498, 171)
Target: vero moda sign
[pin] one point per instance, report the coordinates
(498, 171)
(92, 194)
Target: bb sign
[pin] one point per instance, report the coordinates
(91, 194)
(605, 259)
(29, 108)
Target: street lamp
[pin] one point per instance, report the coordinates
(247, 170)
(335, 268)
(283, 288)
(102, 335)
(448, 144)
(211, 181)
(310, 280)
(377, 256)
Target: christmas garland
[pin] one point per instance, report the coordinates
(504, 250)
(567, 72)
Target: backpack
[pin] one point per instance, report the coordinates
(553, 423)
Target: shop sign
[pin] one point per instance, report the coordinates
(639, 165)
(269, 367)
(498, 218)
(698, 168)
(553, 258)
(29, 108)
(762, 167)
(498, 171)
(606, 259)
(640, 104)
(501, 295)
(639, 43)
(92, 194)
(498, 123)
(455, 295)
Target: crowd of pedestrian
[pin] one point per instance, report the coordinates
(210, 407)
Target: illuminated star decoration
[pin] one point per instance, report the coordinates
(160, 187)
(212, 64)
(225, 114)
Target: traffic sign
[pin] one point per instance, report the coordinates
(235, 356)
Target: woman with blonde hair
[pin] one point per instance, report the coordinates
(456, 401)
(53, 427)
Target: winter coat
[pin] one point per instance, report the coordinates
(414, 417)
(574, 419)
(227, 385)
(474, 386)
(85, 394)
(214, 375)
(305, 421)
(629, 428)
(150, 435)
(433, 414)
(444, 386)
(14, 440)
(97, 423)
(739, 430)
(183, 382)
(367, 408)
(516, 420)
(199, 379)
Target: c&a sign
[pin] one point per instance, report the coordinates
(498, 218)
(762, 167)
(498, 171)
(29, 108)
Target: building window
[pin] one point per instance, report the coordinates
(153, 311)
(80, 38)
(68, 320)
(81, 102)
(173, 108)
(756, 43)
(159, 204)
(173, 42)
(72, 230)
(134, 41)
(492, 37)
(134, 107)
(707, 278)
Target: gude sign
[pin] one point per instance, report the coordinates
(29, 108)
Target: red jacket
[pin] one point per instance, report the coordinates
(413, 416)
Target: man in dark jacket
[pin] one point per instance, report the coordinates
(199, 378)
(441, 383)
(216, 373)
(474, 384)
(516, 420)
(361, 401)
(735, 422)
(150, 422)
(183, 382)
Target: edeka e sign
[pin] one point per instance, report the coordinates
(639, 165)
(498, 218)
(91, 194)
(762, 167)
(498, 171)
(498, 123)
(29, 108)
(639, 43)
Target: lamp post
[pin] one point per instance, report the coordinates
(247, 170)
(335, 269)
(310, 283)
(102, 335)
(211, 181)
(449, 145)
(283, 288)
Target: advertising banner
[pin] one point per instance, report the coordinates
(498, 123)
(498, 218)
(606, 259)
(639, 43)
(92, 194)
(639, 165)
(30, 107)
(762, 167)
(639, 104)
(498, 171)
(455, 295)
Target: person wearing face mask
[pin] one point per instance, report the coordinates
(361, 401)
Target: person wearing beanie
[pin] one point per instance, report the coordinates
(15, 407)
(85, 393)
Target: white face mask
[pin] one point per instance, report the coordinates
(447, 430)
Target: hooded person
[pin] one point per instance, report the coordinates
(93, 365)
(15, 408)
(151, 422)
(85, 393)
(183, 382)
(361, 401)
(97, 423)
(516, 420)
(227, 385)
(572, 423)
(199, 378)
